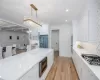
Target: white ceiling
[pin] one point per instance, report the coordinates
(50, 11)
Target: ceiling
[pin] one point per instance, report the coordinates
(49, 11)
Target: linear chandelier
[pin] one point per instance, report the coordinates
(30, 20)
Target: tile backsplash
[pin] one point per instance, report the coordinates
(90, 47)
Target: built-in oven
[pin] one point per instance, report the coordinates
(42, 66)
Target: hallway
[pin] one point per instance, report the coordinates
(62, 69)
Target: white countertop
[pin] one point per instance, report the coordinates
(14, 67)
(94, 69)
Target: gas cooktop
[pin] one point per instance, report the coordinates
(92, 59)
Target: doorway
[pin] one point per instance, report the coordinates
(55, 42)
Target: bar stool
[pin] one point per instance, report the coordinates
(28, 47)
(1, 53)
(14, 49)
(8, 51)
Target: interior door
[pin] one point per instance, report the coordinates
(55, 40)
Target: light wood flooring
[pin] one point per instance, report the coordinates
(62, 69)
(56, 54)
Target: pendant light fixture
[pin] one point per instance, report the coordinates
(30, 20)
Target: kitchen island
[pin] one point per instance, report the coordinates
(26, 66)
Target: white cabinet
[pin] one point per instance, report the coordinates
(88, 23)
(33, 74)
(82, 24)
(93, 20)
(77, 62)
(87, 74)
(83, 70)
(92, 76)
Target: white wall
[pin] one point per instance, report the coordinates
(65, 32)
(44, 30)
(4, 38)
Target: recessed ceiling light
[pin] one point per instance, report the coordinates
(66, 20)
(67, 10)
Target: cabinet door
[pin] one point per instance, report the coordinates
(83, 71)
(33, 74)
(73, 57)
(87, 74)
(93, 20)
(83, 26)
(77, 63)
(92, 76)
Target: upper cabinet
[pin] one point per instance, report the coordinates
(82, 26)
(93, 20)
(88, 23)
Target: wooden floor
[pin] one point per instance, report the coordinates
(56, 54)
(62, 69)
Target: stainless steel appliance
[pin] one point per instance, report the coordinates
(72, 43)
(42, 66)
(92, 59)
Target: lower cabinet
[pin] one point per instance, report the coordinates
(87, 74)
(33, 74)
(83, 71)
(77, 63)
